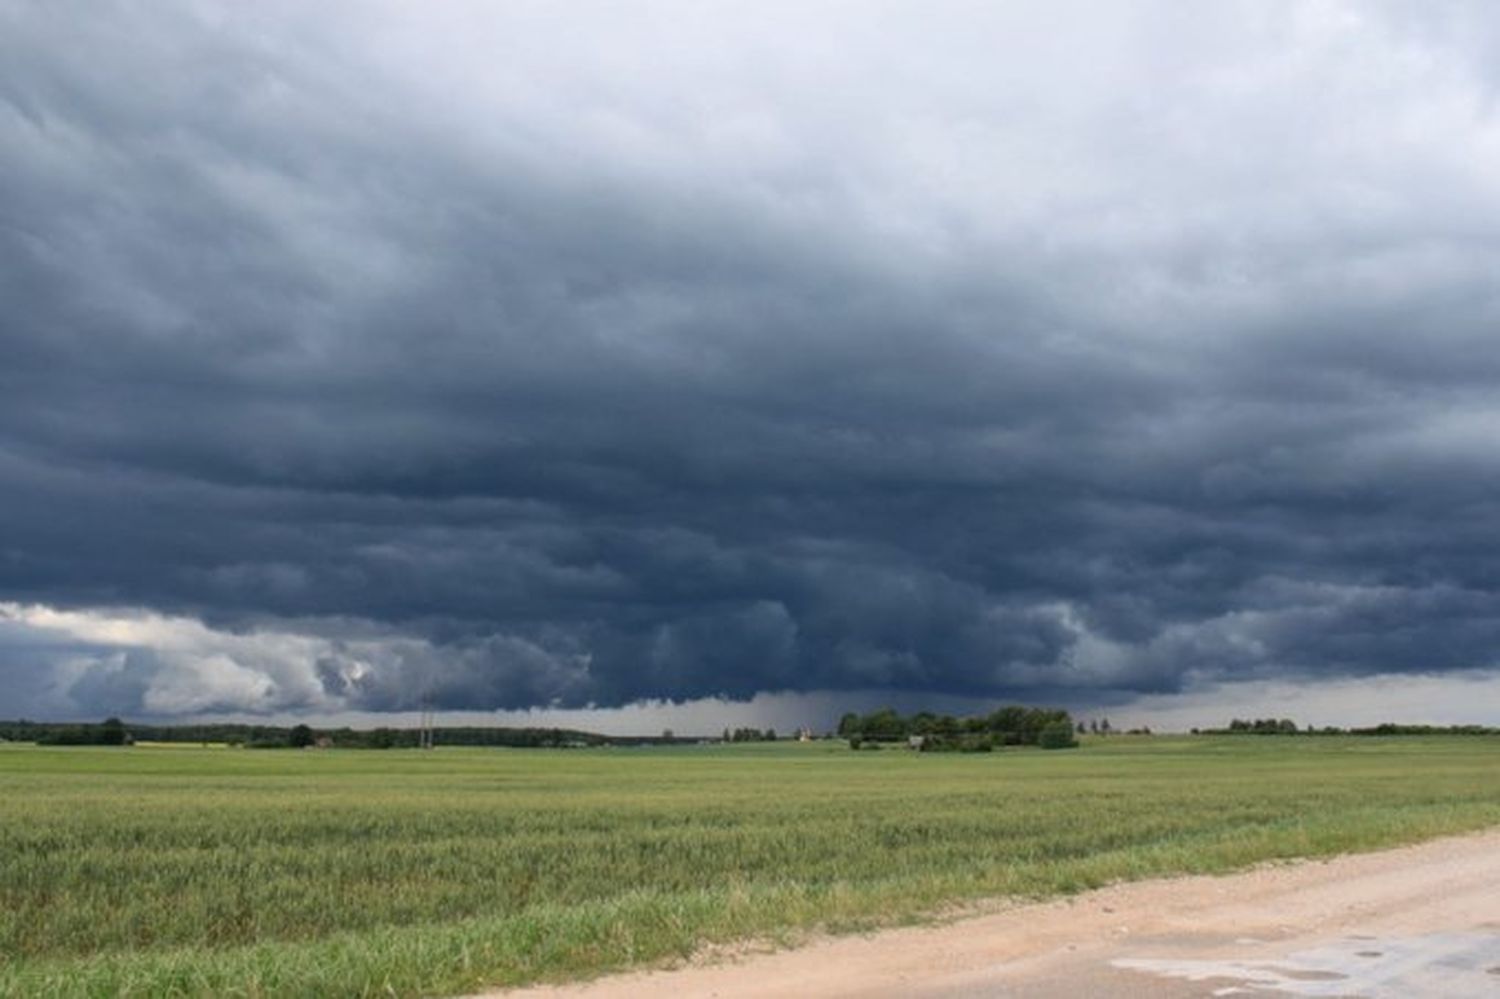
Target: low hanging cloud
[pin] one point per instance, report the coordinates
(356, 356)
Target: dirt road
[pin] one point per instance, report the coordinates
(1412, 922)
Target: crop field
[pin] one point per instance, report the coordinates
(220, 872)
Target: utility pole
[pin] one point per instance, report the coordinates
(429, 717)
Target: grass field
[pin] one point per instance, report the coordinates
(211, 872)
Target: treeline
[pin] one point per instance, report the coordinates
(114, 732)
(1285, 726)
(1391, 728)
(110, 732)
(749, 735)
(1051, 728)
(1262, 726)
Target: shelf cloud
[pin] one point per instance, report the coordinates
(359, 355)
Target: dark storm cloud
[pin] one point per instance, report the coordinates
(499, 361)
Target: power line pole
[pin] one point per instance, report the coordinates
(429, 718)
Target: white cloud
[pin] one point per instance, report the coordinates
(165, 665)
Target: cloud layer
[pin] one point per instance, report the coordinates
(512, 356)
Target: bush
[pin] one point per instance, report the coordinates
(1057, 735)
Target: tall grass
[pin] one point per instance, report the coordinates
(144, 872)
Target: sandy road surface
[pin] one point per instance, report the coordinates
(1411, 922)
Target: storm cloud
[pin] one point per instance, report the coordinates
(356, 355)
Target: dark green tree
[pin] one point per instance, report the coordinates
(112, 732)
(1057, 735)
(885, 725)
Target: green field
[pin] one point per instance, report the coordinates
(229, 872)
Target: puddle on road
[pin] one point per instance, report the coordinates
(1451, 965)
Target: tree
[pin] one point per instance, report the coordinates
(1009, 720)
(1057, 735)
(885, 725)
(300, 738)
(112, 732)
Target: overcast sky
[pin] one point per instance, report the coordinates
(546, 357)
